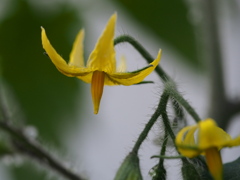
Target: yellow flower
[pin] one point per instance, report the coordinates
(207, 139)
(101, 65)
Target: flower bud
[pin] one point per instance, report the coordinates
(129, 170)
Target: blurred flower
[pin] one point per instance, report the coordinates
(101, 65)
(207, 139)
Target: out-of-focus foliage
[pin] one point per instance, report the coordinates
(46, 97)
(169, 20)
(231, 170)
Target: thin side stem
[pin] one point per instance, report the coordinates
(165, 118)
(161, 172)
(168, 157)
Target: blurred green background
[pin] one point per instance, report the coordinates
(46, 97)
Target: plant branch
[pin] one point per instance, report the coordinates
(185, 104)
(26, 146)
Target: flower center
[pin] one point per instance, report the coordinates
(97, 89)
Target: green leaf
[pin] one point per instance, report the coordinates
(44, 94)
(170, 21)
(5, 149)
(231, 170)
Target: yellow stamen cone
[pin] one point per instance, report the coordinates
(97, 89)
(214, 162)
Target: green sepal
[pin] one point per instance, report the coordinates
(195, 168)
(139, 70)
(145, 82)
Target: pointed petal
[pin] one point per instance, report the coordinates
(76, 55)
(132, 77)
(189, 138)
(181, 136)
(102, 57)
(59, 62)
(97, 89)
(234, 142)
(212, 136)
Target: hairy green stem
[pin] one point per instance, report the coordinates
(165, 117)
(168, 127)
(163, 102)
(174, 94)
(177, 109)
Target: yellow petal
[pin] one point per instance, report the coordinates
(102, 57)
(133, 77)
(189, 137)
(212, 136)
(76, 55)
(186, 143)
(97, 89)
(86, 78)
(59, 62)
(180, 138)
(234, 142)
